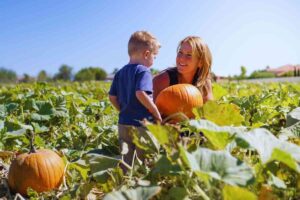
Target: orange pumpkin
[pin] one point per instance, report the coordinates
(179, 98)
(41, 170)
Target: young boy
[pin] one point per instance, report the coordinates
(131, 89)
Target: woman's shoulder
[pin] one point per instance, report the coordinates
(161, 77)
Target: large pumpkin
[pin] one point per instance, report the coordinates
(179, 98)
(42, 170)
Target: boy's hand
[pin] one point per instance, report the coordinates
(158, 118)
(149, 104)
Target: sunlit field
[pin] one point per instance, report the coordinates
(242, 145)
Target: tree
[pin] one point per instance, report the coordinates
(243, 72)
(261, 74)
(7, 76)
(154, 71)
(27, 78)
(42, 76)
(115, 70)
(65, 73)
(90, 73)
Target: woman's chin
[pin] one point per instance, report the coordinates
(183, 70)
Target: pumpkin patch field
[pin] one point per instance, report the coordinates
(60, 141)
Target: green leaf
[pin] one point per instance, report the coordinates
(162, 133)
(39, 129)
(293, 117)
(164, 167)
(100, 162)
(277, 182)
(44, 108)
(11, 107)
(222, 114)
(177, 193)
(221, 166)
(145, 141)
(237, 193)
(285, 158)
(218, 136)
(100, 165)
(292, 131)
(2, 111)
(140, 193)
(218, 91)
(270, 148)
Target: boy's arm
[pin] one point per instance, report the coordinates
(114, 101)
(148, 103)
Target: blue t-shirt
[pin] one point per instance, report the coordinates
(127, 81)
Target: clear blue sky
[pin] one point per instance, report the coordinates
(44, 34)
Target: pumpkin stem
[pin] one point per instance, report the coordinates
(32, 149)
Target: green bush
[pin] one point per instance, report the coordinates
(261, 74)
(90, 73)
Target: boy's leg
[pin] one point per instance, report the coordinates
(125, 140)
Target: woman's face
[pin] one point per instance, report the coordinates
(186, 61)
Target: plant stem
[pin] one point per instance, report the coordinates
(32, 149)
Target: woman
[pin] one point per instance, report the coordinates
(193, 66)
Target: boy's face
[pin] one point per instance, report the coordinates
(149, 57)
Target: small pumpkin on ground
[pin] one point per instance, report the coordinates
(41, 170)
(179, 98)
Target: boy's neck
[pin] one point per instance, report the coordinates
(136, 61)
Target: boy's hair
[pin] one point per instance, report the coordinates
(201, 50)
(142, 40)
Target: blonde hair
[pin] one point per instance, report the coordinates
(142, 40)
(201, 50)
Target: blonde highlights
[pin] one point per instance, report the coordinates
(142, 40)
(201, 50)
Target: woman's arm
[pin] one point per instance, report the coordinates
(160, 82)
(208, 87)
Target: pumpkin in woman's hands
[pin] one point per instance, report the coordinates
(179, 98)
(41, 170)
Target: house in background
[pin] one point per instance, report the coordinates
(285, 69)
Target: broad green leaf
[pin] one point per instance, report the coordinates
(285, 157)
(177, 193)
(140, 193)
(2, 111)
(145, 141)
(164, 167)
(222, 114)
(164, 134)
(11, 107)
(237, 193)
(293, 117)
(218, 136)
(218, 91)
(100, 165)
(44, 108)
(39, 129)
(271, 148)
(292, 131)
(100, 162)
(16, 129)
(277, 182)
(221, 166)
(38, 117)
